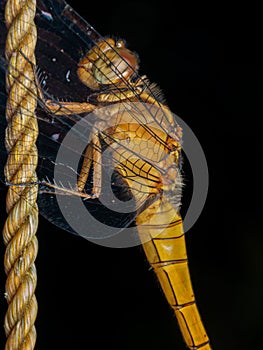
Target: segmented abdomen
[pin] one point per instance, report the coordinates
(166, 252)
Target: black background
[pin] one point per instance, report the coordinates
(206, 60)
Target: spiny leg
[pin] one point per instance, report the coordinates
(61, 107)
(68, 108)
(92, 155)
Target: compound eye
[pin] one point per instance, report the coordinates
(120, 44)
(115, 66)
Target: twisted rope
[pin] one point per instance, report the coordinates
(21, 133)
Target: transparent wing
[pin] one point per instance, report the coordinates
(63, 37)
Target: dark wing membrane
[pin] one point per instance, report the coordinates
(58, 51)
(59, 21)
(63, 37)
(59, 48)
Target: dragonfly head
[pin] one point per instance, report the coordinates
(108, 63)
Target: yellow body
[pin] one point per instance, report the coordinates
(166, 252)
(145, 144)
(160, 225)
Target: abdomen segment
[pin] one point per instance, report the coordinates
(166, 252)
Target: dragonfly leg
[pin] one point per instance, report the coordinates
(62, 190)
(85, 169)
(67, 108)
(97, 171)
(92, 155)
(61, 107)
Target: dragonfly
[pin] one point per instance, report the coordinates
(127, 144)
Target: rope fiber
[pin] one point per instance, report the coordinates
(20, 228)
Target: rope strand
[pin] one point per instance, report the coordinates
(19, 231)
